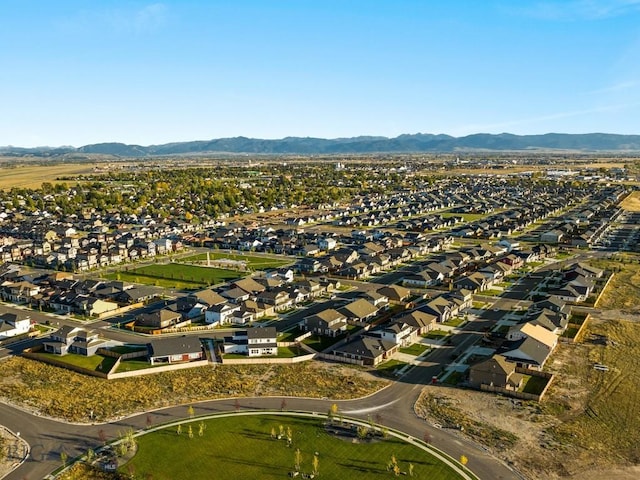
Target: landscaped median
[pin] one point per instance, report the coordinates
(275, 445)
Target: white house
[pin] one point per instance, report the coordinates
(10, 325)
(221, 314)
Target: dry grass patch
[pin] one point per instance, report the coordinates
(632, 202)
(72, 396)
(623, 290)
(33, 176)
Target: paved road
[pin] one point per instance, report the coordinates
(392, 406)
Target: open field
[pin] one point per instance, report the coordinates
(256, 262)
(632, 202)
(32, 176)
(265, 457)
(72, 396)
(95, 362)
(624, 289)
(176, 275)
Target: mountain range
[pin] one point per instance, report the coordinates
(408, 143)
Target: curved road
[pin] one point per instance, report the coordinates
(392, 406)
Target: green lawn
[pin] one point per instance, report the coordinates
(242, 447)
(533, 385)
(415, 349)
(436, 334)
(135, 364)
(454, 322)
(390, 367)
(256, 262)
(176, 275)
(90, 363)
(319, 343)
(121, 349)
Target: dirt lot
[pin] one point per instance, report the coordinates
(588, 426)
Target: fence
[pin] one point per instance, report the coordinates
(341, 359)
(270, 361)
(523, 395)
(32, 354)
(164, 368)
(595, 304)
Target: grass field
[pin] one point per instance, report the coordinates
(28, 382)
(604, 426)
(632, 202)
(216, 454)
(176, 275)
(623, 291)
(32, 176)
(256, 262)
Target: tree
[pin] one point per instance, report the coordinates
(201, 427)
(463, 459)
(236, 404)
(64, 457)
(191, 411)
(149, 421)
(90, 455)
(362, 431)
(411, 467)
(179, 429)
(102, 436)
(283, 404)
(297, 460)
(333, 411)
(315, 464)
(190, 431)
(426, 437)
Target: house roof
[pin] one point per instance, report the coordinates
(248, 284)
(367, 347)
(394, 292)
(174, 346)
(539, 333)
(359, 309)
(208, 297)
(496, 364)
(262, 332)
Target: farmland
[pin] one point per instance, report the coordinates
(33, 176)
(632, 202)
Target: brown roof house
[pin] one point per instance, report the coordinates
(496, 371)
(328, 323)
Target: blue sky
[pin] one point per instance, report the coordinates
(147, 72)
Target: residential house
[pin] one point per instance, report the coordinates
(421, 322)
(496, 371)
(221, 313)
(395, 293)
(159, 319)
(11, 325)
(365, 350)
(360, 310)
(329, 323)
(175, 350)
(75, 340)
(402, 334)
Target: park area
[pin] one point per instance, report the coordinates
(275, 447)
(176, 275)
(250, 262)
